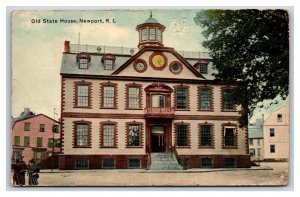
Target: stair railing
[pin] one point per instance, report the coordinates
(148, 157)
(177, 156)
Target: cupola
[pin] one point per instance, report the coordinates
(150, 33)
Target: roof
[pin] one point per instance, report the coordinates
(151, 20)
(255, 130)
(29, 117)
(70, 65)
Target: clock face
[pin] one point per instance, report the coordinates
(140, 65)
(158, 61)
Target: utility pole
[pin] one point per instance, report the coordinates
(53, 129)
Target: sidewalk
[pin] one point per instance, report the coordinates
(193, 170)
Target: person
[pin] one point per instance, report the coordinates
(19, 172)
(33, 173)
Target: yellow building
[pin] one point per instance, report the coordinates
(276, 135)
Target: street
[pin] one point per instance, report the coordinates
(239, 177)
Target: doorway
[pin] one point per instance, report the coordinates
(158, 139)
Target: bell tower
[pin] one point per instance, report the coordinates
(150, 33)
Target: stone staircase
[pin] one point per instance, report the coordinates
(164, 161)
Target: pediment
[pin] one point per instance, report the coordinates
(159, 62)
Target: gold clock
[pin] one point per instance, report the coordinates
(158, 60)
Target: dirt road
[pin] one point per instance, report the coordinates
(277, 176)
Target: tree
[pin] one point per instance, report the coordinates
(250, 47)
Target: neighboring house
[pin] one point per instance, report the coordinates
(276, 135)
(256, 140)
(32, 137)
(119, 106)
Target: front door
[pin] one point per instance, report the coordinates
(157, 139)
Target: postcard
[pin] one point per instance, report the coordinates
(149, 97)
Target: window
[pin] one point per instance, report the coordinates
(272, 132)
(230, 162)
(206, 163)
(182, 135)
(17, 154)
(26, 126)
(205, 98)
(108, 135)
(134, 163)
(108, 163)
(83, 63)
(55, 143)
(258, 152)
(17, 140)
(205, 135)
(83, 60)
(181, 98)
(42, 127)
(230, 136)
(252, 151)
(227, 100)
(258, 142)
(158, 35)
(152, 34)
(38, 155)
(108, 97)
(82, 164)
(82, 134)
(144, 34)
(55, 128)
(251, 141)
(272, 148)
(26, 141)
(203, 68)
(157, 100)
(133, 97)
(108, 64)
(134, 135)
(39, 142)
(82, 95)
(279, 117)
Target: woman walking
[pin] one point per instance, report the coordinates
(33, 173)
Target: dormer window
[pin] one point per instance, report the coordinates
(108, 64)
(83, 63)
(83, 60)
(152, 34)
(203, 68)
(108, 61)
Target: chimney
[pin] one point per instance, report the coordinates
(67, 46)
(26, 110)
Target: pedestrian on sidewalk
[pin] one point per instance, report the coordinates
(19, 172)
(33, 173)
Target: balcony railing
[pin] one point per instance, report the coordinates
(77, 48)
(159, 112)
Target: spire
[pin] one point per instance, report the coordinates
(150, 13)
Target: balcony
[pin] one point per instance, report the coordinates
(158, 112)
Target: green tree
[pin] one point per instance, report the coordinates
(251, 47)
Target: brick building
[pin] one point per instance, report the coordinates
(33, 137)
(126, 108)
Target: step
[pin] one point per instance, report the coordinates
(164, 161)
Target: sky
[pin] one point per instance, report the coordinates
(37, 47)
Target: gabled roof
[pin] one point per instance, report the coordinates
(33, 116)
(162, 49)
